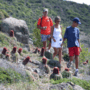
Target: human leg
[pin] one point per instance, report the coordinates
(44, 45)
(71, 56)
(76, 61)
(60, 55)
(49, 46)
(77, 52)
(55, 52)
(69, 63)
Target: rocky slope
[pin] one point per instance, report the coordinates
(37, 71)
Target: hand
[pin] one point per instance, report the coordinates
(54, 40)
(61, 44)
(44, 28)
(80, 49)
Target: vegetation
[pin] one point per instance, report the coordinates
(66, 74)
(10, 76)
(9, 42)
(30, 11)
(37, 36)
(84, 55)
(66, 57)
(83, 83)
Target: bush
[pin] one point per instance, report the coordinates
(66, 57)
(84, 55)
(24, 51)
(10, 76)
(83, 83)
(65, 74)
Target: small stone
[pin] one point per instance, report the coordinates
(36, 62)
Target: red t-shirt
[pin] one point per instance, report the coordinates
(46, 21)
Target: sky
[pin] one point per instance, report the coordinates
(81, 1)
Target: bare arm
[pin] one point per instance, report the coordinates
(80, 46)
(39, 27)
(52, 28)
(61, 30)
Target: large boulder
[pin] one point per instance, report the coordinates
(19, 26)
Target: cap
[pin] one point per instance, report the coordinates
(76, 19)
(45, 10)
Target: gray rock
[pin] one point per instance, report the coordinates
(36, 62)
(6, 64)
(76, 87)
(65, 86)
(19, 26)
(65, 51)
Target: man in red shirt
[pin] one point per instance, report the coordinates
(44, 24)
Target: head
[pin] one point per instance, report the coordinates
(76, 22)
(45, 12)
(57, 19)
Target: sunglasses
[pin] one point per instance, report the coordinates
(58, 21)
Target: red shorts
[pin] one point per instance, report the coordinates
(74, 51)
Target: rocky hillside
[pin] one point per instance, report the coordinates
(30, 11)
(28, 71)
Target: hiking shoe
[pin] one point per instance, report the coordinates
(76, 73)
(69, 64)
(48, 50)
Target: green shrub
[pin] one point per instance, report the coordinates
(66, 57)
(65, 74)
(83, 83)
(1, 15)
(84, 55)
(10, 76)
(24, 51)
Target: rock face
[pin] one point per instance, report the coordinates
(65, 86)
(18, 68)
(19, 26)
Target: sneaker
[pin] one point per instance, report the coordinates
(48, 50)
(76, 73)
(69, 64)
